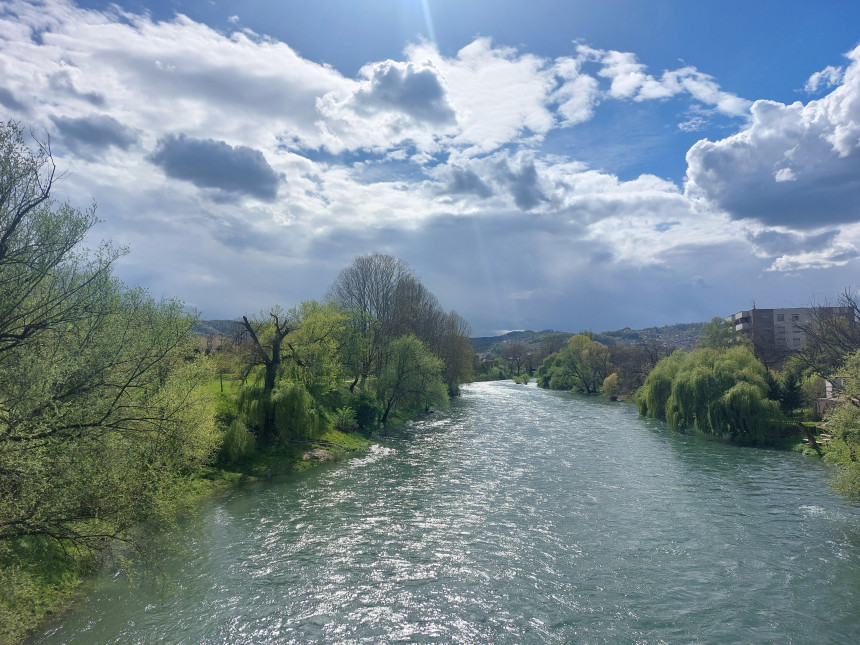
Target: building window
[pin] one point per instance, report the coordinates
(780, 317)
(795, 317)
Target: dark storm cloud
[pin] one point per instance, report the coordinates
(89, 135)
(207, 163)
(416, 92)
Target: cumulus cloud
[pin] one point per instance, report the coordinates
(463, 181)
(63, 82)
(792, 165)
(578, 94)
(828, 77)
(498, 94)
(216, 164)
(416, 91)
(434, 158)
(629, 80)
(90, 135)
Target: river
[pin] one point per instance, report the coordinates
(519, 516)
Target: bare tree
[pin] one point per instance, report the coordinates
(832, 333)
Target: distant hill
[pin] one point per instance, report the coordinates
(680, 336)
(532, 340)
(209, 327)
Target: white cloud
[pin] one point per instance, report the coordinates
(288, 166)
(793, 165)
(629, 80)
(829, 77)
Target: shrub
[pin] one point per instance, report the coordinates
(238, 445)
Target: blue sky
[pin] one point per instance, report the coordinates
(566, 165)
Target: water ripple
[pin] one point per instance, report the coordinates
(521, 516)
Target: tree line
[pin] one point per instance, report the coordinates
(379, 348)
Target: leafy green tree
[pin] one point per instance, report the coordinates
(101, 413)
(843, 422)
(790, 391)
(721, 334)
(582, 366)
(412, 379)
(611, 387)
(718, 392)
(386, 301)
(315, 347)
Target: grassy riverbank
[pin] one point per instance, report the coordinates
(39, 576)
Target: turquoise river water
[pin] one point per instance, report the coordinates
(519, 516)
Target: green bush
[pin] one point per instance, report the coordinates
(238, 445)
(367, 410)
(344, 418)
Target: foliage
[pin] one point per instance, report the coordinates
(385, 302)
(100, 412)
(843, 422)
(367, 410)
(582, 366)
(720, 334)
(278, 416)
(813, 387)
(103, 411)
(344, 418)
(314, 346)
(238, 444)
(611, 387)
(412, 379)
(718, 392)
(790, 392)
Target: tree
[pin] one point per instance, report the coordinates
(718, 392)
(843, 422)
(369, 286)
(46, 282)
(100, 412)
(456, 352)
(386, 301)
(832, 336)
(515, 354)
(582, 366)
(611, 387)
(720, 334)
(412, 379)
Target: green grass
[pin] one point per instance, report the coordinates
(230, 385)
(37, 578)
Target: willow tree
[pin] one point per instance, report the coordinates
(717, 392)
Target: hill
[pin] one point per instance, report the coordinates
(680, 336)
(209, 327)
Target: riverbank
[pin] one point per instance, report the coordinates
(39, 577)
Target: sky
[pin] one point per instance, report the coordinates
(586, 164)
